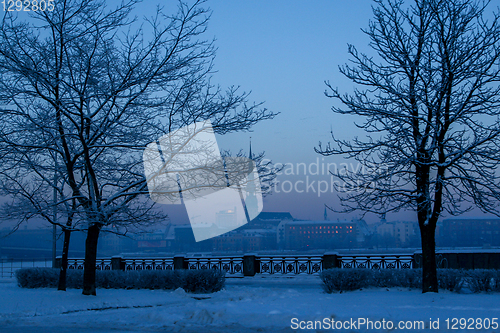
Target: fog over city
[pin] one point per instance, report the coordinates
(241, 166)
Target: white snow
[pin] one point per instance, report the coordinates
(250, 304)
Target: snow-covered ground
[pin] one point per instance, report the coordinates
(257, 304)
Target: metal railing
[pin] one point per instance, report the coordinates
(377, 262)
(293, 265)
(148, 264)
(8, 267)
(251, 264)
(232, 265)
(101, 264)
(235, 266)
(265, 264)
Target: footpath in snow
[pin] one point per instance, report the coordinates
(256, 304)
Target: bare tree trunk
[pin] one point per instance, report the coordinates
(429, 272)
(90, 260)
(64, 260)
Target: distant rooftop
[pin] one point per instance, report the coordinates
(321, 222)
(466, 218)
(263, 216)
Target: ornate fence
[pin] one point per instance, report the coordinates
(101, 264)
(148, 264)
(290, 265)
(377, 262)
(232, 265)
(251, 264)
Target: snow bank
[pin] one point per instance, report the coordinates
(264, 304)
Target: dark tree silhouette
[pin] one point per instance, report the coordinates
(430, 99)
(91, 86)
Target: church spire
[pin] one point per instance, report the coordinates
(325, 214)
(250, 156)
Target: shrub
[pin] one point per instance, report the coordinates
(203, 280)
(355, 278)
(109, 279)
(496, 285)
(384, 278)
(388, 278)
(451, 279)
(340, 279)
(37, 277)
(197, 281)
(159, 279)
(411, 278)
(481, 280)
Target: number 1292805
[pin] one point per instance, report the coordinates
(27, 5)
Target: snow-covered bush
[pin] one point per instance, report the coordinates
(198, 281)
(409, 278)
(37, 277)
(451, 279)
(171, 279)
(111, 279)
(344, 279)
(140, 279)
(481, 280)
(496, 285)
(388, 278)
(384, 278)
(203, 280)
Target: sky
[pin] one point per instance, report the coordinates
(283, 52)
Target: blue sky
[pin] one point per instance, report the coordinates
(283, 51)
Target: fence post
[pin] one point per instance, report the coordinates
(117, 263)
(180, 262)
(249, 264)
(58, 262)
(494, 261)
(417, 260)
(330, 260)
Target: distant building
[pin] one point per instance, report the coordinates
(151, 240)
(469, 232)
(184, 240)
(226, 219)
(246, 240)
(111, 244)
(364, 233)
(269, 220)
(397, 233)
(303, 235)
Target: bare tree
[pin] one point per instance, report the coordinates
(268, 172)
(431, 105)
(93, 86)
(27, 185)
